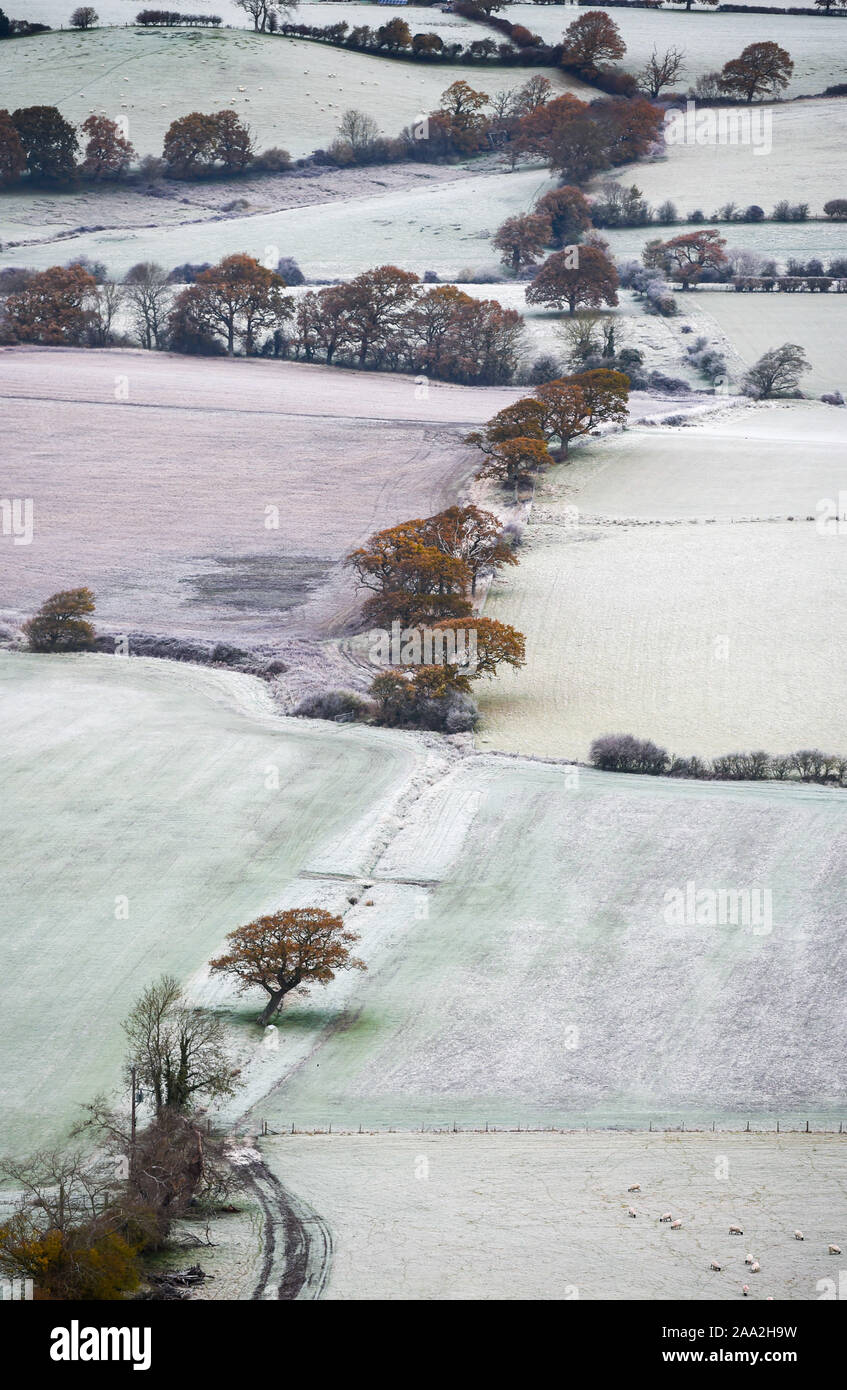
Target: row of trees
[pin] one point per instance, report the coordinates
(524, 438)
(384, 318)
(625, 753)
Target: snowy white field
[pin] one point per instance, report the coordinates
(294, 94)
(704, 637)
(144, 785)
(817, 322)
(544, 1216)
(218, 498)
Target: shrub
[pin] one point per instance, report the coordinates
(290, 271)
(273, 160)
(624, 753)
(343, 706)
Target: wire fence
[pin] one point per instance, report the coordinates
(774, 1127)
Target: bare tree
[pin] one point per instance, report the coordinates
(264, 13)
(149, 293)
(777, 372)
(358, 128)
(661, 70)
(178, 1052)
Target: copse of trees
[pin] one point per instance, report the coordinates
(525, 437)
(426, 570)
(82, 1223)
(233, 303)
(195, 144)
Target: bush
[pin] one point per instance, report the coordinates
(343, 706)
(290, 271)
(273, 160)
(624, 753)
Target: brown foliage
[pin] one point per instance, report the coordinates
(288, 950)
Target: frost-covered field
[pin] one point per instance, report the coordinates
(531, 977)
(218, 498)
(544, 1216)
(439, 225)
(708, 39)
(294, 94)
(142, 788)
(791, 152)
(705, 637)
(817, 322)
(502, 905)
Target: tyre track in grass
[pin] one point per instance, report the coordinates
(298, 1242)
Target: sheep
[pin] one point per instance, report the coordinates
(755, 1267)
(715, 1266)
(676, 1225)
(835, 1249)
(749, 1259)
(745, 1289)
(667, 1216)
(636, 1187)
(632, 1212)
(798, 1235)
(735, 1229)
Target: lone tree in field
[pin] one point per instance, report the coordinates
(686, 257)
(178, 1052)
(590, 39)
(84, 17)
(60, 624)
(49, 140)
(762, 70)
(835, 208)
(777, 372)
(521, 240)
(581, 276)
(288, 950)
(107, 154)
(661, 69)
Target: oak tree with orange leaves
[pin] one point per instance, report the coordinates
(686, 257)
(580, 277)
(573, 406)
(288, 950)
(591, 38)
(55, 307)
(236, 299)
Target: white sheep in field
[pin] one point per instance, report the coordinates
(798, 1235)
(835, 1250)
(636, 1187)
(745, 1289)
(755, 1267)
(735, 1229)
(632, 1212)
(676, 1225)
(715, 1266)
(749, 1259)
(666, 1216)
